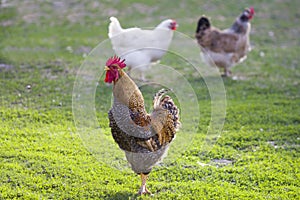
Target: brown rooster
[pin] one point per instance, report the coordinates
(145, 138)
(226, 47)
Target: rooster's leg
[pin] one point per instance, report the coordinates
(143, 189)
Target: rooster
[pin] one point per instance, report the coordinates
(226, 47)
(145, 138)
(141, 47)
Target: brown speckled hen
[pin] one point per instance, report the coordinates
(144, 137)
(226, 47)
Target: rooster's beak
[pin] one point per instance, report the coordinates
(106, 68)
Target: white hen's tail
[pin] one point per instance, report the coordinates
(114, 27)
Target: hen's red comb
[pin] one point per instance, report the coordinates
(252, 10)
(116, 60)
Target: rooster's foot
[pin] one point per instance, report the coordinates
(143, 190)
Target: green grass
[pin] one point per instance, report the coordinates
(42, 156)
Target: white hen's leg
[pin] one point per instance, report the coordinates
(143, 189)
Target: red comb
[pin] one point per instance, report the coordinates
(116, 60)
(252, 10)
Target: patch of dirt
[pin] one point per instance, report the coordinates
(283, 146)
(221, 162)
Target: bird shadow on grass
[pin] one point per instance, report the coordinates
(122, 195)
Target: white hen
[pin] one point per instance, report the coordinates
(141, 47)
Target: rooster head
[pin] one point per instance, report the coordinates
(113, 65)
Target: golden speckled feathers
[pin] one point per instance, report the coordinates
(163, 121)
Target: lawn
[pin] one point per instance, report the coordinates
(47, 151)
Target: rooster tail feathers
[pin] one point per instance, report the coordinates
(114, 27)
(203, 24)
(157, 97)
(167, 103)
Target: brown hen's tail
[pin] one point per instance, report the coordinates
(167, 103)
